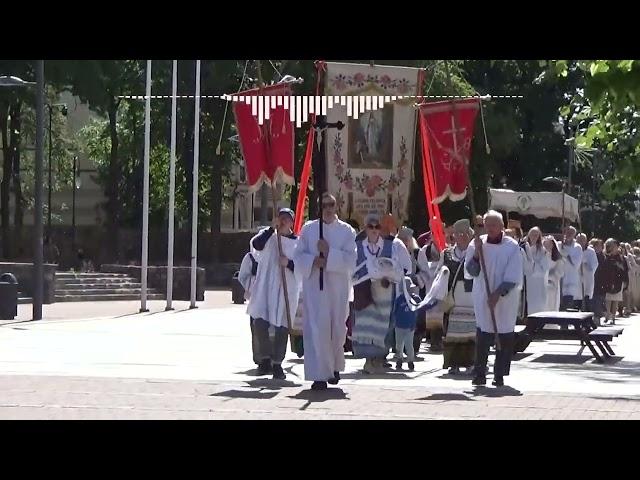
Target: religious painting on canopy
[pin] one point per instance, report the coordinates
(371, 139)
(369, 161)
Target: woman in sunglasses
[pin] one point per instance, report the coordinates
(373, 299)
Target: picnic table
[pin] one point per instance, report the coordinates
(585, 330)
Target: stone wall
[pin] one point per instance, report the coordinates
(227, 247)
(24, 273)
(157, 278)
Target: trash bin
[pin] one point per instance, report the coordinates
(237, 291)
(8, 296)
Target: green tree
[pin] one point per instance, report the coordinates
(17, 133)
(602, 116)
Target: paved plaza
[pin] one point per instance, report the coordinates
(102, 360)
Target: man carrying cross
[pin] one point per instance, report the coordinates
(326, 308)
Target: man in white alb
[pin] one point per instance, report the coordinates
(504, 269)
(326, 310)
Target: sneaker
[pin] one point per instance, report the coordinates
(454, 371)
(335, 379)
(265, 367)
(318, 386)
(278, 373)
(399, 365)
(479, 380)
(411, 366)
(498, 382)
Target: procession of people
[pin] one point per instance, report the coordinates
(392, 292)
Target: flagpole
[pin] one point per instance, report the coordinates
(478, 242)
(194, 213)
(172, 187)
(267, 144)
(145, 194)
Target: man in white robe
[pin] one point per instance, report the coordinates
(503, 262)
(325, 311)
(267, 306)
(587, 272)
(571, 252)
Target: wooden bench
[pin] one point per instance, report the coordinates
(582, 323)
(601, 336)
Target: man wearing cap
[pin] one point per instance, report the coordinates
(325, 310)
(267, 305)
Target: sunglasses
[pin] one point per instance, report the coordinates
(374, 227)
(329, 205)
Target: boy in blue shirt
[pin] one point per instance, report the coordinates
(405, 325)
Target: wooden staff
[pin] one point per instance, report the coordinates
(473, 217)
(267, 139)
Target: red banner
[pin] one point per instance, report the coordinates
(267, 149)
(449, 127)
(435, 220)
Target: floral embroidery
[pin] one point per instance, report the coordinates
(370, 185)
(359, 80)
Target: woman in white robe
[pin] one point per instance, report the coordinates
(536, 269)
(571, 251)
(556, 271)
(430, 262)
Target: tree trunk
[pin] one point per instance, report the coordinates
(216, 194)
(6, 181)
(15, 127)
(187, 159)
(113, 205)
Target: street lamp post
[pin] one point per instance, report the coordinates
(563, 183)
(38, 260)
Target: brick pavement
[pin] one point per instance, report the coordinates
(196, 365)
(36, 397)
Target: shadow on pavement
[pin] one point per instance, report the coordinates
(270, 384)
(461, 376)
(252, 394)
(562, 359)
(447, 397)
(251, 373)
(313, 396)
(520, 356)
(615, 370)
(495, 392)
(14, 322)
(389, 374)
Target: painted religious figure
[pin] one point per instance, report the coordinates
(371, 139)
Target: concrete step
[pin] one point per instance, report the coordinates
(104, 291)
(101, 285)
(65, 275)
(109, 297)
